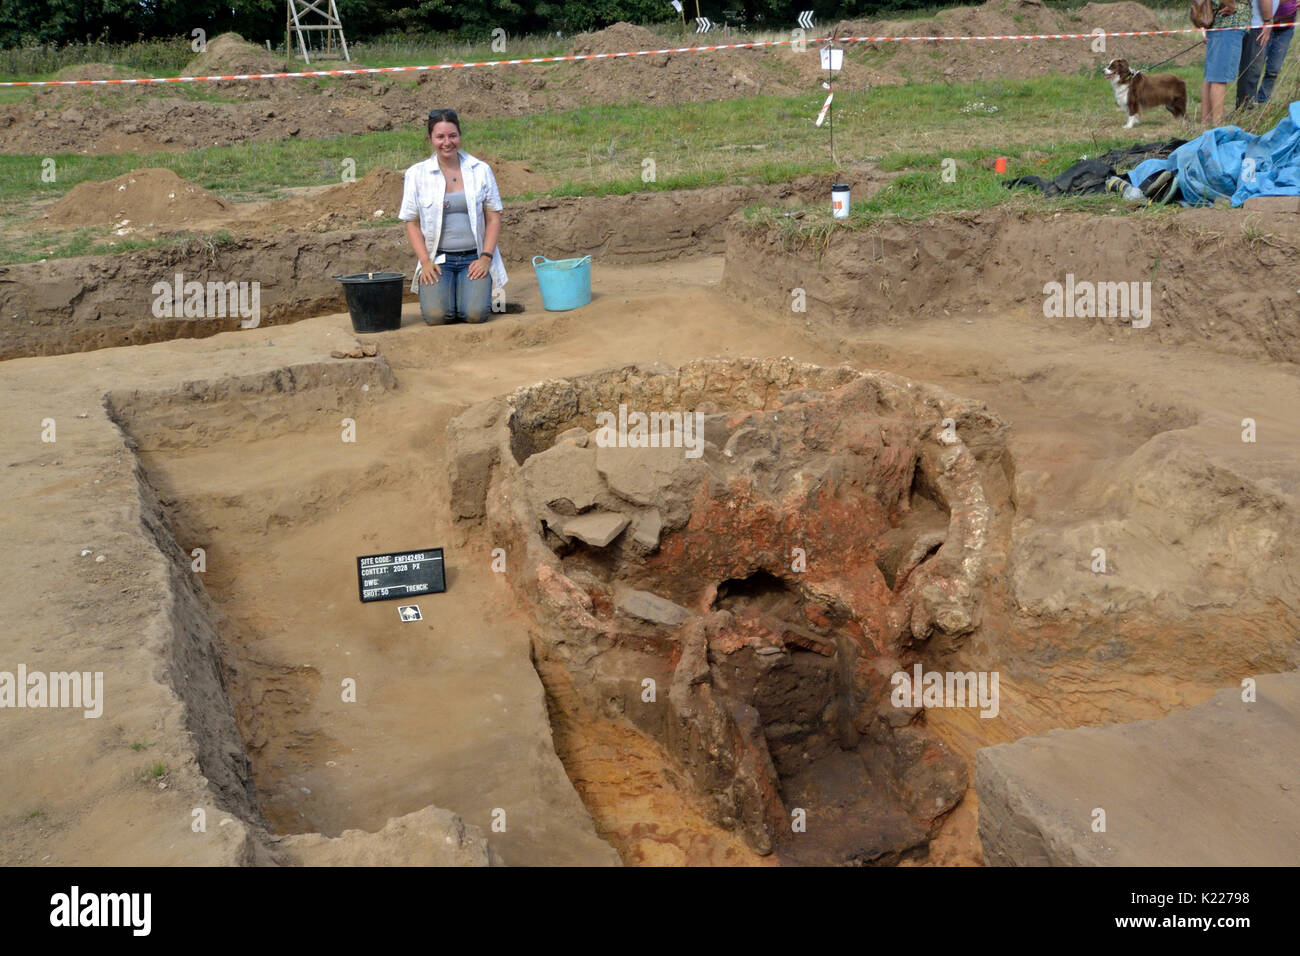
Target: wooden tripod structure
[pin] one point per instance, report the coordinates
(297, 15)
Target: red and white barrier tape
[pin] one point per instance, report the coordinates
(597, 56)
(821, 117)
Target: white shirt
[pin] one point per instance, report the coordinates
(1257, 17)
(422, 195)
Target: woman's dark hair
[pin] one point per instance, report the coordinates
(443, 116)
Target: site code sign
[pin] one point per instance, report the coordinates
(401, 574)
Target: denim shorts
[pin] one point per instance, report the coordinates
(1222, 55)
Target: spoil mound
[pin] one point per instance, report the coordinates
(514, 178)
(661, 78)
(1139, 51)
(381, 188)
(1117, 17)
(94, 71)
(144, 197)
(231, 54)
(959, 61)
(999, 17)
(376, 195)
(478, 94)
(618, 38)
(664, 77)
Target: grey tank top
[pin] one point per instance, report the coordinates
(456, 234)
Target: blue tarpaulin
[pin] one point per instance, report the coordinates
(1229, 163)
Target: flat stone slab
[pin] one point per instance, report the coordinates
(646, 528)
(1215, 785)
(564, 478)
(651, 477)
(596, 528)
(648, 606)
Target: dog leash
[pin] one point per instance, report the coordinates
(1174, 57)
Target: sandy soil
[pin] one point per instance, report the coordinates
(150, 201)
(293, 247)
(262, 483)
(223, 686)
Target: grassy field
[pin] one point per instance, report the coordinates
(601, 149)
(1041, 125)
(168, 57)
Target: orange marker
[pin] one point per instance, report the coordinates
(1000, 164)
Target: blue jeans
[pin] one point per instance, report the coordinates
(455, 296)
(1274, 54)
(1250, 67)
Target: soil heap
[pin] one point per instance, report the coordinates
(230, 54)
(959, 61)
(140, 198)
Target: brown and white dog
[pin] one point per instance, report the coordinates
(1135, 92)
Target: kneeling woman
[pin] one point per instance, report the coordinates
(452, 211)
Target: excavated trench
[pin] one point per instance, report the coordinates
(737, 557)
(729, 606)
(741, 596)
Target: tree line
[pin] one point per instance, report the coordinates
(123, 21)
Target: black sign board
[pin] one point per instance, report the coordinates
(402, 574)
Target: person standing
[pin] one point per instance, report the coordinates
(1222, 57)
(452, 209)
(1275, 51)
(1253, 43)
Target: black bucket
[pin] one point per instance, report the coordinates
(374, 300)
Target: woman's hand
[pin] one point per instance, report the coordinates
(428, 271)
(479, 267)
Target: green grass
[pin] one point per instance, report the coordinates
(90, 241)
(603, 147)
(148, 57)
(601, 150)
(246, 171)
(155, 771)
(921, 191)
